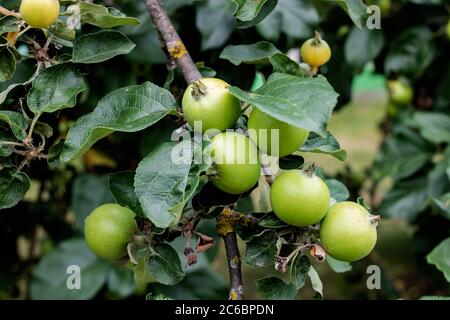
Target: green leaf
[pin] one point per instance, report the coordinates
(127, 109)
(297, 19)
(214, 19)
(338, 190)
(326, 145)
(16, 122)
(158, 296)
(61, 31)
(121, 185)
(262, 53)
(120, 281)
(402, 154)
(270, 220)
(213, 286)
(443, 204)
(302, 102)
(165, 265)
(51, 275)
(4, 93)
(299, 269)
(337, 265)
(362, 202)
(6, 135)
(411, 52)
(261, 250)
(405, 200)
(55, 88)
(274, 288)
(291, 161)
(256, 53)
(282, 63)
(315, 281)
(438, 179)
(440, 257)
(102, 17)
(100, 46)
(161, 182)
(25, 71)
(362, 46)
(141, 275)
(357, 11)
(433, 126)
(7, 64)
(13, 186)
(9, 24)
(251, 12)
(247, 10)
(89, 192)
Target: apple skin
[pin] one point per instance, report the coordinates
(299, 199)
(347, 233)
(236, 162)
(315, 52)
(215, 107)
(108, 229)
(290, 138)
(401, 93)
(39, 13)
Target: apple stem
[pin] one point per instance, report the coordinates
(317, 38)
(310, 170)
(314, 71)
(198, 89)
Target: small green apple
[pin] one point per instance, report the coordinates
(290, 138)
(236, 162)
(348, 232)
(299, 198)
(108, 229)
(208, 101)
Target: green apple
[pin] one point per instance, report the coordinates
(208, 101)
(290, 138)
(299, 198)
(108, 229)
(348, 232)
(236, 162)
(400, 92)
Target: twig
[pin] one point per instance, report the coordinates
(226, 227)
(47, 43)
(173, 43)
(30, 131)
(10, 143)
(6, 12)
(234, 266)
(13, 40)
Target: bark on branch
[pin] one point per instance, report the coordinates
(226, 227)
(172, 41)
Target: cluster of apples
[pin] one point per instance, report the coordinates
(298, 197)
